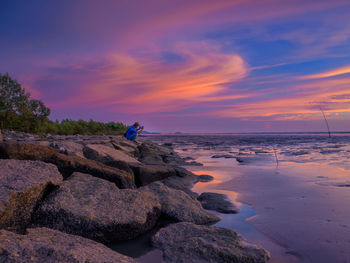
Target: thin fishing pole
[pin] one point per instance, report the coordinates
(324, 116)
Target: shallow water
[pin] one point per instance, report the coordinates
(294, 189)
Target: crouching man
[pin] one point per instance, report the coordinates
(133, 131)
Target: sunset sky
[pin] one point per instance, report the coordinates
(184, 65)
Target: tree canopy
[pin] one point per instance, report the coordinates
(19, 112)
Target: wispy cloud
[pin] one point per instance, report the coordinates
(151, 82)
(329, 73)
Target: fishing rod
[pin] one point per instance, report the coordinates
(325, 119)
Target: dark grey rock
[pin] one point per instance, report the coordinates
(217, 202)
(66, 164)
(97, 209)
(68, 147)
(179, 206)
(152, 153)
(187, 243)
(227, 156)
(182, 183)
(43, 245)
(146, 174)
(22, 185)
(205, 178)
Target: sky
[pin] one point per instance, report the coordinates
(184, 65)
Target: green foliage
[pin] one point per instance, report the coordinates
(19, 112)
(71, 127)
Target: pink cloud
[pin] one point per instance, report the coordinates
(304, 103)
(149, 83)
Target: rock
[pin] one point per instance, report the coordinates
(205, 178)
(127, 146)
(105, 154)
(146, 174)
(182, 172)
(68, 147)
(151, 153)
(66, 164)
(217, 202)
(43, 245)
(181, 183)
(194, 163)
(227, 156)
(252, 158)
(22, 185)
(95, 208)
(179, 206)
(187, 242)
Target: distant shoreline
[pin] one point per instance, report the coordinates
(247, 133)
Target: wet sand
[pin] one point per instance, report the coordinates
(302, 212)
(297, 209)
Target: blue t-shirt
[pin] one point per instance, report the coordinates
(131, 133)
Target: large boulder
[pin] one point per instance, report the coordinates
(127, 146)
(179, 206)
(152, 153)
(66, 164)
(217, 202)
(68, 147)
(187, 242)
(146, 174)
(43, 245)
(22, 185)
(103, 153)
(97, 209)
(182, 183)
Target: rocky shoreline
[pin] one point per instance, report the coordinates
(63, 198)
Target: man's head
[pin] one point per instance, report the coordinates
(136, 125)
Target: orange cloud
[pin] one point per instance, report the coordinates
(150, 83)
(330, 73)
(332, 94)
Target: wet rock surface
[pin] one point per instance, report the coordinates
(217, 202)
(43, 245)
(187, 242)
(146, 174)
(66, 164)
(179, 206)
(97, 209)
(182, 183)
(22, 184)
(205, 178)
(227, 156)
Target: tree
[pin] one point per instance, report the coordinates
(17, 110)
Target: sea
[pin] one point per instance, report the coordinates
(293, 189)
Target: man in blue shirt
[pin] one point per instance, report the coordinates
(133, 131)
